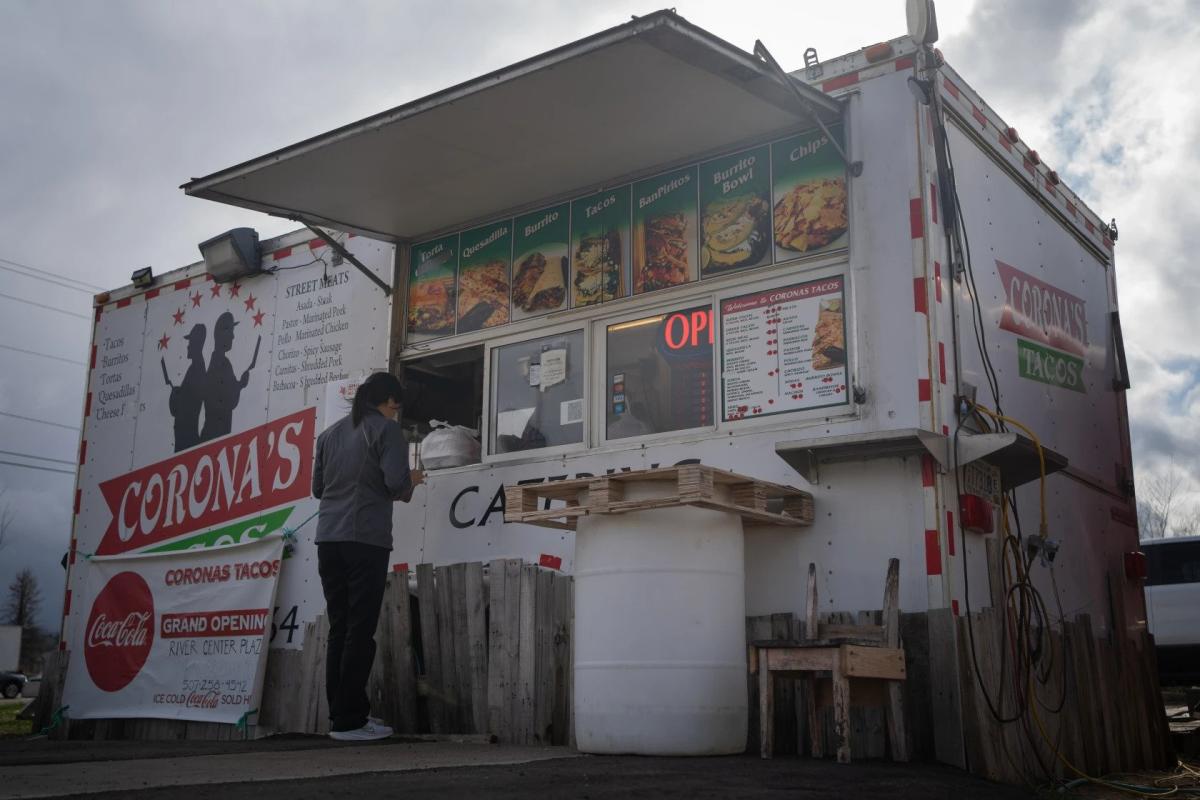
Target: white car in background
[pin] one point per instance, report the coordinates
(1173, 605)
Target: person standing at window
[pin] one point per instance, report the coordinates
(361, 469)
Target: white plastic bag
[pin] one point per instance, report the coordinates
(449, 446)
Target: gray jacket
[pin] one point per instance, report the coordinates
(358, 474)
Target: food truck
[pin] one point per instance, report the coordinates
(645, 248)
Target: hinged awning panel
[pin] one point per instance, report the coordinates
(653, 91)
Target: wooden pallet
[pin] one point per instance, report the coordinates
(694, 485)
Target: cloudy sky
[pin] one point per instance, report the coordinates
(108, 107)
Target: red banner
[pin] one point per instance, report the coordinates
(241, 474)
(1042, 312)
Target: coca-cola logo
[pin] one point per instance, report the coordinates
(120, 631)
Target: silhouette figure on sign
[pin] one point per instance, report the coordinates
(224, 389)
(188, 397)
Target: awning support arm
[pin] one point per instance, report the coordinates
(760, 50)
(344, 253)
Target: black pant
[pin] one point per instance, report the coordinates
(353, 576)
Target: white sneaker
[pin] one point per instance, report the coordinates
(367, 733)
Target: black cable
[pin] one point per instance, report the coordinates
(83, 284)
(35, 466)
(39, 458)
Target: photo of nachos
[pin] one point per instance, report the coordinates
(829, 343)
(812, 215)
(483, 296)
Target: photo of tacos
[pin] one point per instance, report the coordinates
(829, 341)
(431, 289)
(541, 241)
(811, 211)
(597, 264)
(600, 247)
(735, 211)
(664, 230)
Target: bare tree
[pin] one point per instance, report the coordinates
(24, 601)
(6, 518)
(1163, 507)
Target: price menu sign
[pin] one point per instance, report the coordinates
(784, 350)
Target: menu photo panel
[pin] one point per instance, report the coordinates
(431, 289)
(735, 212)
(664, 230)
(600, 247)
(541, 243)
(784, 349)
(812, 211)
(483, 276)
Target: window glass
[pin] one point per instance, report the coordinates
(537, 393)
(659, 373)
(1173, 562)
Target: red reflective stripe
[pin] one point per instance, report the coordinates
(920, 300)
(950, 530)
(924, 390)
(950, 87)
(281, 253)
(840, 82)
(315, 243)
(933, 554)
(942, 361)
(937, 281)
(183, 284)
(78, 503)
(93, 363)
(928, 471)
(1070, 208)
(87, 405)
(401, 567)
(82, 452)
(979, 117)
(1004, 142)
(67, 603)
(124, 301)
(547, 560)
(916, 219)
(904, 63)
(153, 293)
(954, 607)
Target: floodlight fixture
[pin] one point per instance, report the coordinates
(232, 255)
(142, 278)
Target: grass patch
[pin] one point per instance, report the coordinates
(10, 726)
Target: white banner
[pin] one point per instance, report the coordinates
(176, 635)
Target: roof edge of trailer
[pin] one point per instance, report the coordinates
(709, 56)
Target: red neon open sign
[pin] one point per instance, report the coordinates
(685, 328)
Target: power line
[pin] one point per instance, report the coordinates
(43, 305)
(41, 421)
(93, 287)
(39, 458)
(53, 281)
(35, 466)
(42, 355)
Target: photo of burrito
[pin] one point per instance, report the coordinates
(541, 248)
(829, 341)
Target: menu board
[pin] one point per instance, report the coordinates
(483, 284)
(541, 241)
(664, 230)
(771, 203)
(784, 350)
(431, 289)
(811, 210)
(735, 212)
(600, 247)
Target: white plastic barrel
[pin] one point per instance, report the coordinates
(660, 643)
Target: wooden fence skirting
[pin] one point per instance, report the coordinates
(1107, 717)
(458, 656)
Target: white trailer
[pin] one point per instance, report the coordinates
(10, 647)
(648, 247)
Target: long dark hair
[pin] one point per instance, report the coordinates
(373, 392)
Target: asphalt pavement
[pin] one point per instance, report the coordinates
(300, 767)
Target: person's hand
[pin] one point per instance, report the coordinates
(418, 476)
